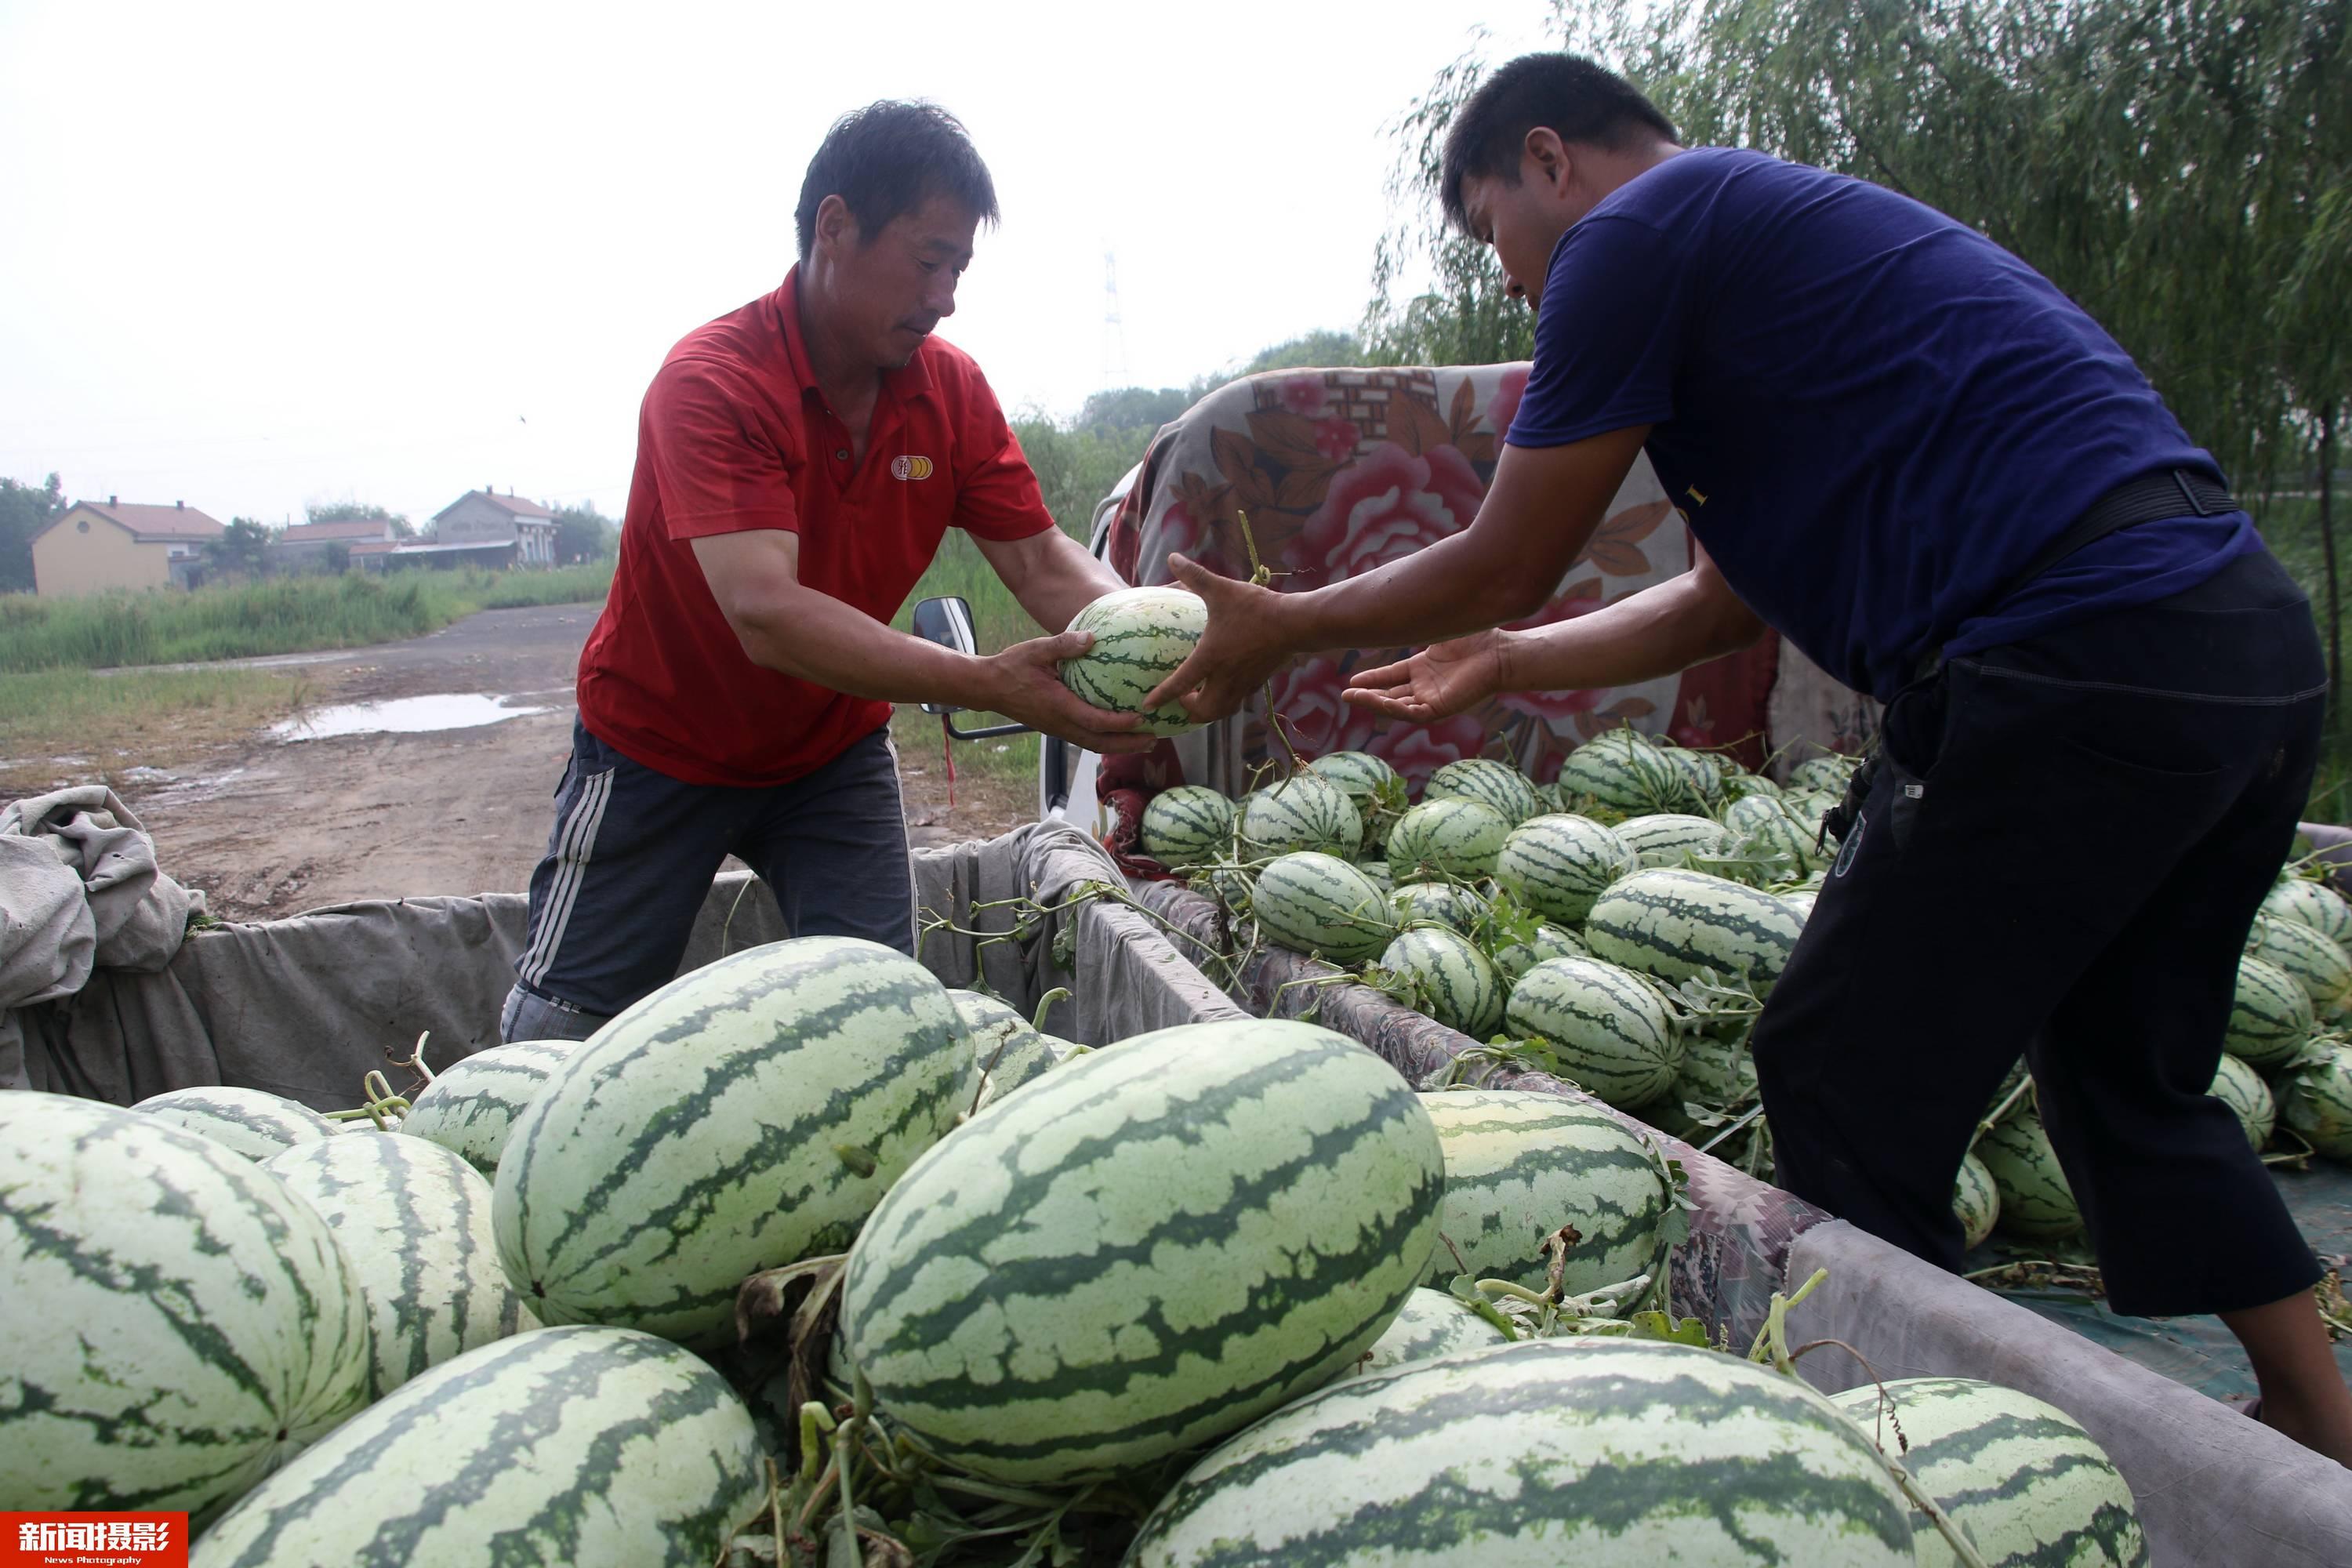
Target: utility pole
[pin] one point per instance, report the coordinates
(1114, 339)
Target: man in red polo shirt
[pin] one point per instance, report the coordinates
(798, 463)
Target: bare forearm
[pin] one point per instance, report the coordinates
(1660, 631)
(817, 639)
(1063, 581)
(1442, 592)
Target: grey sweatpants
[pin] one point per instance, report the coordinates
(633, 853)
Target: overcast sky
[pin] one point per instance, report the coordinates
(256, 255)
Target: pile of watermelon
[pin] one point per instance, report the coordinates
(1620, 927)
(1221, 1293)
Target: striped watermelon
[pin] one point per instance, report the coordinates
(2241, 1089)
(470, 1106)
(1519, 1165)
(2313, 904)
(1598, 1452)
(1669, 838)
(2035, 1201)
(1191, 825)
(1610, 1029)
(1230, 886)
(1514, 959)
(1141, 635)
(1800, 903)
(1447, 838)
(1743, 815)
(1378, 790)
(2271, 1016)
(1553, 801)
(1716, 1073)
(1431, 1324)
(1510, 791)
(587, 1446)
(413, 1220)
(1558, 865)
(254, 1124)
(2318, 964)
(2315, 1102)
(1976, 1201)
(1447, 903)
(1808, 807)
(1625, 771)
(1307, 812)
(1007, 1052)
(1825, 776)
(1147, 1251)
(2023, 1481)
(1670, 924)
(1739, 786)
(1448, 978)
(178, 1323)
(743, 1117)
(1323, 907)
(1377, 870)
(1702, 778)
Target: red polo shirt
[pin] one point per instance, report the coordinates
(735, 435)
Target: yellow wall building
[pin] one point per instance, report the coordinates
(96, 546)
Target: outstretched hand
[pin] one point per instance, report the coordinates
(1440, 680)
(1026, 687)
(1241, 649)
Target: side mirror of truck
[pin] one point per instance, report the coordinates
(948, 622)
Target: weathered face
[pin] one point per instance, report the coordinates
(1521, 221)
(884, 293)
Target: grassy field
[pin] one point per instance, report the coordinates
(286, 615)
(106, 720)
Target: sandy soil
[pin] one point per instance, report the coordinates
(268, 826)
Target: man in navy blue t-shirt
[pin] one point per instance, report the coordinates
(1903, 448)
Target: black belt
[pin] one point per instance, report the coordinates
(2151, 498)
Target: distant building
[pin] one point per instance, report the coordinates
(303, 546)
(97, 546)
(482, 528)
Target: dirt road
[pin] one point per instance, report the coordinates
(271, 826)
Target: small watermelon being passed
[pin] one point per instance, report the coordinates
(1141, 635)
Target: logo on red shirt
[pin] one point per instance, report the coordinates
(143, 1539)
(910, 468)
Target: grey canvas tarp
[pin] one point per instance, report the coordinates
(306, 1006)
(2213, 1488)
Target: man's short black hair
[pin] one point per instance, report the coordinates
(889, 158)
(1576, 98)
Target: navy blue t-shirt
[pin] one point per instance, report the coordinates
(1872, 415)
